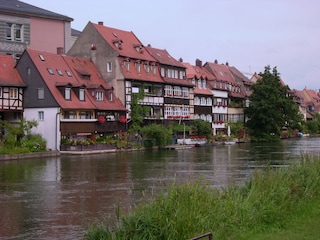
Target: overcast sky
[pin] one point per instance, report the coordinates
(248, 34)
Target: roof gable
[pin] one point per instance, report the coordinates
(9, 76)
(124, 42)
(163, 57)
(15, 7)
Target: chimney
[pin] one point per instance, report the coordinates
(198, 62)
(60, 50)
(100, 23)
(180, 60)
(216, 61)
(93, 53)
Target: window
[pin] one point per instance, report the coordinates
(67, 93)
(81, 94)
(196, 101)
(110, 96)
(40, 115)
(1, 92)
(204, 84)
(50, 71)
(199, 83)
(41, 57)
(68, 73)
(181, 74)
(40, 93)
(176, 91)
(209, 101)
(176, 72)
(147, 67)
(168, 90)
(28, 71)
(85, 115)
(203, 101)
(59, 72)
(168, 112)
(138, 67)
(9, 31)
(109, 66)
(18, 32)
(162, 72)
(99, 96)
(70, 115)
(13, 93)
(127, 65)
(185, 92)
(154, 69)
(14, 32)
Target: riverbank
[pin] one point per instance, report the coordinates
(21, 156)
(271, 202)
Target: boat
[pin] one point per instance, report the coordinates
(230, 142)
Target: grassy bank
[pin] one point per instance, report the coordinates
(272, 203)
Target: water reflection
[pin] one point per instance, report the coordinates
(58, 198)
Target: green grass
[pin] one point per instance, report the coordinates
(274, 203)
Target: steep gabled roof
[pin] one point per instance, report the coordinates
(198, 72)
(15, 7)
(58, 71)
(221, 72)
(143, 75)
(129, 45)
(163, 57)
(9, 76)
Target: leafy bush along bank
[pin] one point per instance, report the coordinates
(269, 201)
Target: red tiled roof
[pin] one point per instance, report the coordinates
(9, 76)
(128, 42)
(198, 72)
(143, 75)
(221, 72)
(72, 64)
(163, 57)
(201, 91)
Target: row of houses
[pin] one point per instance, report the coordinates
(82, 84)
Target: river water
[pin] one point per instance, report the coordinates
(58, 198)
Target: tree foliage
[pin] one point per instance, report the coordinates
(138, 111)
(201, 127)
(271, 107)
(157, 132)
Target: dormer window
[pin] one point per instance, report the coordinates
(68, 73)
(154, 69)
(81, 94)
(50, 71)
(99, 96)
(147, 67)
(138, 67)
(138, 48)
(67, 93)
(118, 44)
(199, 83)
(204, 84)
(59, 72)
(127, 65)
(41, 57)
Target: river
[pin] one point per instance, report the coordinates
(58, 198)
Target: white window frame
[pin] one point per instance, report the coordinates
(67, 93)
(99, 95)
(109, 67)
(82, 94)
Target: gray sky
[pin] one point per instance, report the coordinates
(249, 34)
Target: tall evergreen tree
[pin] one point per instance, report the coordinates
(271, 107)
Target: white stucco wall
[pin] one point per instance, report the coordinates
(49, 128)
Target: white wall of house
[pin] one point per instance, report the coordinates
(48, 124)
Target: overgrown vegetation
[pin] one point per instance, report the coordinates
(17, 138)
(270, 201)
(271, 108)
(159, 133)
